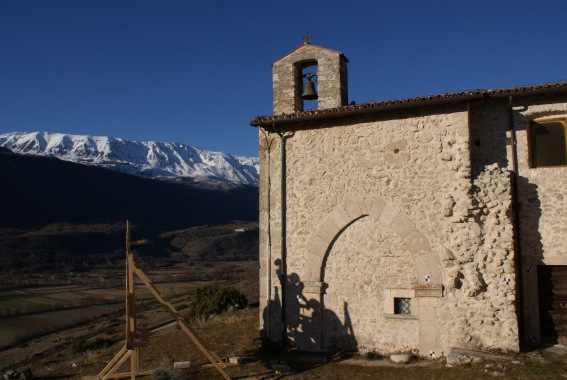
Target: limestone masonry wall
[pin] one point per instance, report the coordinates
(543, 201)
(383, 209)
(417, 229)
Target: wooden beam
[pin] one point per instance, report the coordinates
(181, 322)
(130, 350)
(116, 366)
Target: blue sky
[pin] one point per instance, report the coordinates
(197, 72)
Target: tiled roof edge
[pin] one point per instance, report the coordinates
(409, 102)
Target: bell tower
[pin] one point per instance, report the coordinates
(292, 73)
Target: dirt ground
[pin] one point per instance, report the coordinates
(236, 334)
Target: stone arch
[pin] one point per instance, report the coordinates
(387, 213)
(428, 289)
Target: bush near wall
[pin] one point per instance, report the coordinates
(213, 299)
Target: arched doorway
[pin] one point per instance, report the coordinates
(418, 269)
(367, 260)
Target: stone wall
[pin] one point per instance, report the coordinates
(478, 258)
(479, 305)
(542, 200)
(385, 208)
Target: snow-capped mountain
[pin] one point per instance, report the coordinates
(146, 159)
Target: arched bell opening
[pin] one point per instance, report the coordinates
(306, 83)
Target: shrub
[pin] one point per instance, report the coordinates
(82, 345)
(213, 299)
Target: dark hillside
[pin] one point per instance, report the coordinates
(36, 191)
(217, 243)
(58, 216)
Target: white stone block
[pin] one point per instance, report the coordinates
(235, 360)
(182, 365)
(401, 358)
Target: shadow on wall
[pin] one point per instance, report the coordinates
(309, 325)
(489, 146)
(530, 215)
(531, 250)
(529, 209)
(534, 272)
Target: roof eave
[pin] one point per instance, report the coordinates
(373, 107)
(358, 110)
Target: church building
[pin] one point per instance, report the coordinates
(414, 225)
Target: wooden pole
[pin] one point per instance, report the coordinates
(181, 322)
(130, 350)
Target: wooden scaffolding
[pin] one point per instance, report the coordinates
(134, 336)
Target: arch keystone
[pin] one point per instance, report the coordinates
(351, 207)
(365, 205)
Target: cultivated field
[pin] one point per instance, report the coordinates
(27, 313)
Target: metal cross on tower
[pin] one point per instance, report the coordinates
(307, 38)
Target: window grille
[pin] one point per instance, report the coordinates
(402, 305)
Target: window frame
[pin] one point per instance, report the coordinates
(532, 158)
(399, 308)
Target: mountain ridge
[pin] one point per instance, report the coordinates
(148, 159)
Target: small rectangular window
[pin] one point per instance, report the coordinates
(549, 143)
(402, 305)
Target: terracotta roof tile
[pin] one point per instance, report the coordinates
(410, 102)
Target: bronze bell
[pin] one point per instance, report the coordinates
(309, 92)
